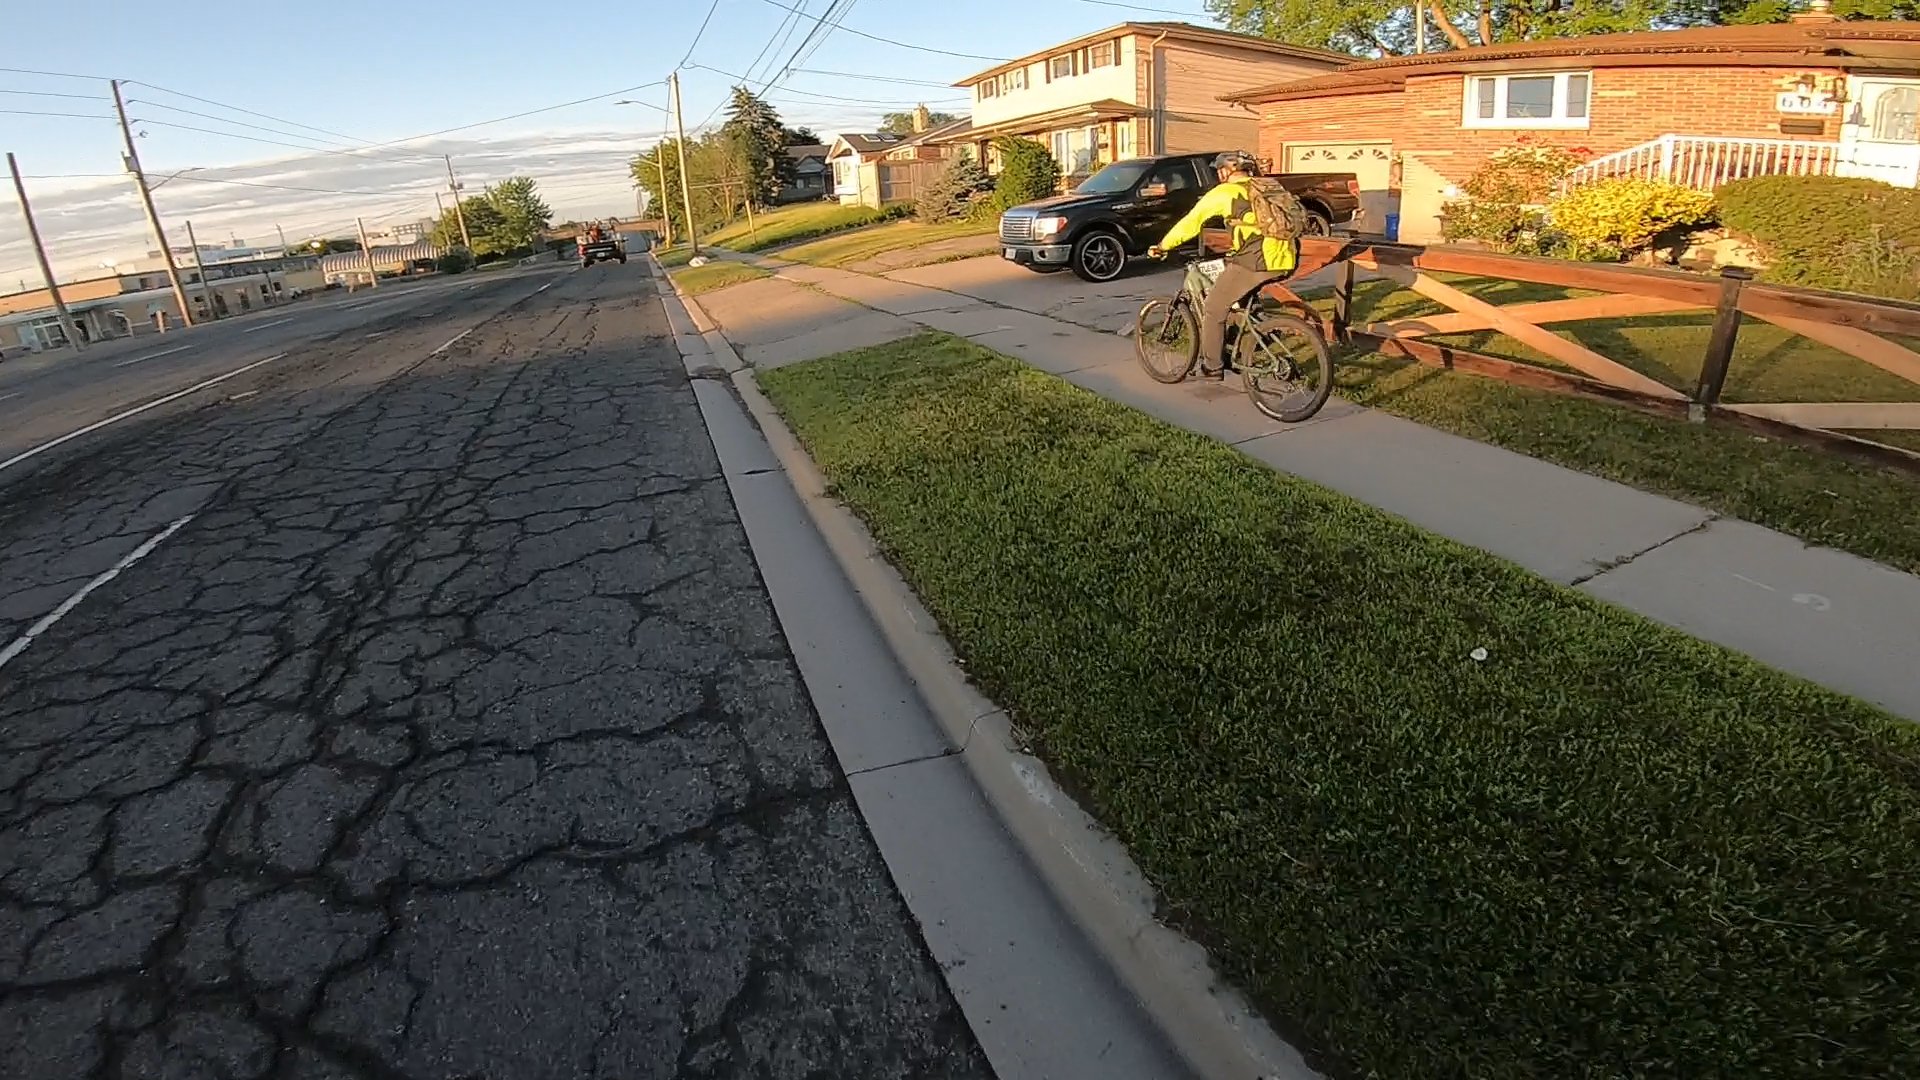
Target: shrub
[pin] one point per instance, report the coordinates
(949, 197)
(1624, 215)
(1027, 172)
(455, 261)
(1504, 196)
(1830, 232)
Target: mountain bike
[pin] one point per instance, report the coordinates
(1282, 359)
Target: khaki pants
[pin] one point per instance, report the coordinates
(1234, 284)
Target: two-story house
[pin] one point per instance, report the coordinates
(1132, 90)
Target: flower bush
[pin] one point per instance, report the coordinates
(1623, 216)
(1505, 198)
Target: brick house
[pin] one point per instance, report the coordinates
(1131, 90)
(1700, 106)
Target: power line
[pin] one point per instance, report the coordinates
(780, 34)
(355, 153)
(73, 115)
(829, 97)
(874, 78)
(224, 120)
(276, 187)
(806, 53)
(51, 93)
(822, 27)
(891, 41)
(249, 112)
(1149, 10)
(700, 33)
(53, 74)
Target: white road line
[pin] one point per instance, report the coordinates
(267, 326)
(135, 411)
(20, 643)
(435, 352)
(153, 356)
(544, 288)
(9, 397)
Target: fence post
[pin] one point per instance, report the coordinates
(1666, 157)
(1726, 330)
(1343, 301)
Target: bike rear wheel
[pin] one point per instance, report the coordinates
(1285, 366)
(1166, 339)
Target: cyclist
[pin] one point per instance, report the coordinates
(1253, 261)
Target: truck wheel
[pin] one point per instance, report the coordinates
(1099, 256)
(1318, 225)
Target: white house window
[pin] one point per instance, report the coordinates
(1896, 118)
(1013, 80)
(1103, 55)
(988, 89)
(1060, 67)
(1528, 101)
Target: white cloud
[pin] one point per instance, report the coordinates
(86, 222)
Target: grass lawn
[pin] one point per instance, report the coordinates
(791, 223)
(1609, 849)
(694, 280)
(894, 236)
(1770, 364)
(673, 256)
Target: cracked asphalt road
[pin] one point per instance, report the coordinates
(453, 737)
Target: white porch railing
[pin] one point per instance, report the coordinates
(1707, 161)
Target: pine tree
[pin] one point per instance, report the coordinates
(759, 140)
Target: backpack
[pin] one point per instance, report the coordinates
(1276, 211)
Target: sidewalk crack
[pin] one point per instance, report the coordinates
(1615, 564)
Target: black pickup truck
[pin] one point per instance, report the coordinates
(1119, 212)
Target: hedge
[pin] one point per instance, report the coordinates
(1830, 232)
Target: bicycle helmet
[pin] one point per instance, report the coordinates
(1238, 160)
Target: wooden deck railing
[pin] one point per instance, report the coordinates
(1854, 325)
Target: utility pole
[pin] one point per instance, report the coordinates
(132, 161)
(373, 276)
(454, 186)
(680, 144)
(283, 238)
(666, 197)
(40, 252)
(201, 269)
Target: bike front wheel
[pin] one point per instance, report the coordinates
(1166, 339)
(1285, 366)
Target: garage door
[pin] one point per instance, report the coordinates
(1371, 162)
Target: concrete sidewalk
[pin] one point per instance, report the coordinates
(1833, 618)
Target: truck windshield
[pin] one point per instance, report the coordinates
(1114, 179)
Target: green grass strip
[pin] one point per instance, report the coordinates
(1608, 849)
(694, 280)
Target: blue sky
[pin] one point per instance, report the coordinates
(387, 71)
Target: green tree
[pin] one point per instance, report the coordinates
(950, 195)
(1027, 171)
(759, 144)
(1386, 27)
(901, 123)
(483, 223)
(801, 136)
(719, 180)
(519, 214)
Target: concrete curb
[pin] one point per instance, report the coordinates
(1089, 872)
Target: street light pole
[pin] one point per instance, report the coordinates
(146, 201)
(40, 253)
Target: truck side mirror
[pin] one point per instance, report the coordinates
(1153, 191)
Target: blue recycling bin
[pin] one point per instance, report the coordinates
(1393, 226)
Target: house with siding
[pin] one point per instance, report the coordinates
(1132, 90)
(1698, 106)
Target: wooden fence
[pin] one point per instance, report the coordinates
(1856, 326)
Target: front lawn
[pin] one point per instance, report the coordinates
(935, 241)
(789, 224)
(718, 274)
(1605, 849)
(1770, 364)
